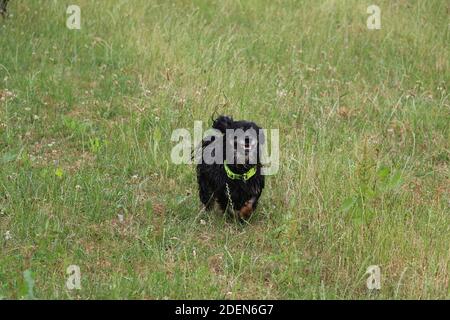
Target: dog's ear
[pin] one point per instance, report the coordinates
(222, 123)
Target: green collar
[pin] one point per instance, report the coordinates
(236, 176)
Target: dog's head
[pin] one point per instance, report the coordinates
(242, 140)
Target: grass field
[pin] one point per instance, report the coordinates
(86, 118)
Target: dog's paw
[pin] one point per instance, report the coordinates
(247, 209)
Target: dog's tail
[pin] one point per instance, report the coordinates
(222, 123)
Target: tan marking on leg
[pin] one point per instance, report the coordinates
(246, 211)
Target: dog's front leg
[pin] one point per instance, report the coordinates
(247, 209)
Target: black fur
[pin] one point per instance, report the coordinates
(212, 178)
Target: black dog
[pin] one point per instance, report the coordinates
(234, 179)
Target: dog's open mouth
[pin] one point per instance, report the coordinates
(245, 150)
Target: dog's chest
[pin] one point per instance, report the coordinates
(246, 189)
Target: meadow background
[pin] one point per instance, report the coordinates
(86, 119)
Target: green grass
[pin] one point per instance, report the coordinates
(85, 125)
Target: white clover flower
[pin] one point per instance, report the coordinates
(281, 93)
